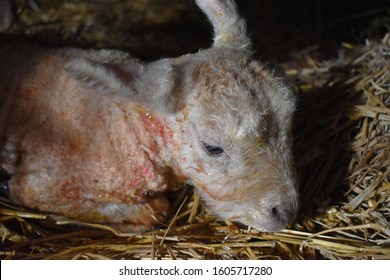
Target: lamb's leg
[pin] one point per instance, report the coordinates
(138, 217)
(54, 179)
(127, 217)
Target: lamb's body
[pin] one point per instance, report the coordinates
(99, 136)
(96, 157)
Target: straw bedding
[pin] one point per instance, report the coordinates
(342, 149)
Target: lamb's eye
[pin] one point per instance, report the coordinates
(213, 150)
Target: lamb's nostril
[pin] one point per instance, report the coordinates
(282, 214)
(4, 188)
(4, 185)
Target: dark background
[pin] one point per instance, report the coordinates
(151, 29)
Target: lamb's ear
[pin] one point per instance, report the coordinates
(229, 28)
(150, 84)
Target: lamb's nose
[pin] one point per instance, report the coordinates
(4, 188)
(282, 215)
(4, 185)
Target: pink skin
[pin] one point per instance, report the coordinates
(76, 152)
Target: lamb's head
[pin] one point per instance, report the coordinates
(230, 117)
(236, 139)
(236, 128)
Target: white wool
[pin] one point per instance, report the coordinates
(221, 98)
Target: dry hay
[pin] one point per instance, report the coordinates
(342, 146)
